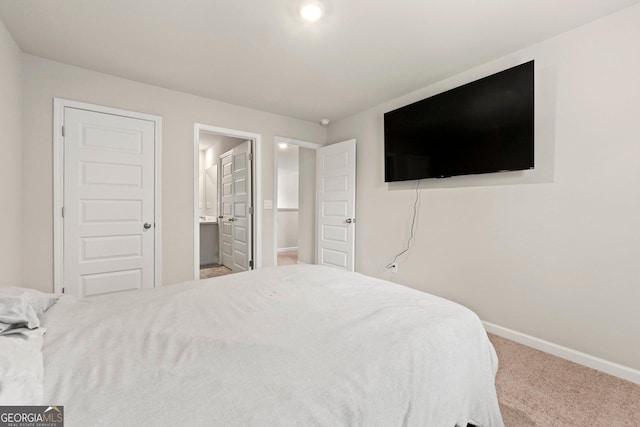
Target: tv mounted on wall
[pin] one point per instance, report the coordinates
(481, 127)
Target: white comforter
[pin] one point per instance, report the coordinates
(291, 346)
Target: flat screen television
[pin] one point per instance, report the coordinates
(481, 127)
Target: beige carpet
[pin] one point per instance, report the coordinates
(213, 270)
(538, 389)
(288, 257)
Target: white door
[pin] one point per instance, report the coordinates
(336, 205)
(236, 215)
(108, 238)
(242, 211)
(226, 209)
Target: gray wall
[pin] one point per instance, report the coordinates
(288, 185)
(552, 253)
(11, 160)
(287, 229)
(307, 206)
(45, 79)
(209, 244)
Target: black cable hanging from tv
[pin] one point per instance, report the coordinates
(413, 226)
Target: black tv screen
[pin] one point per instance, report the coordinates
(481, 127)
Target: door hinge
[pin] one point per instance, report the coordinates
(63, 290)
(63, 212)
(251, 264)
(63, 131)
(250, 210)
(250, 156)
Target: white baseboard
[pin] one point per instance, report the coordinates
(593, 362)
(295, 248)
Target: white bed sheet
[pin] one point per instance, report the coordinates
(292, 346)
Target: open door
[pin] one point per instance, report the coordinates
(226, 209)
(236, 214)
(336, 205)
(242, 210)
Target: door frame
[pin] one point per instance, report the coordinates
(59, 104)
(276, 141)
(256, 196)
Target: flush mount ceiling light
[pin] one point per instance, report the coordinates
(311, 11)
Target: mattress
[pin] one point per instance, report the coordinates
(299, 345)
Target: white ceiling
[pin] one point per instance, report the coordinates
(259, 54)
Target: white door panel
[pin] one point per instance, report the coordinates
(241, 204)
(336, 186)
(236, 198)
(108, 197)
(103, 283)
(226, 209)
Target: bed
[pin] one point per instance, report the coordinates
(290, 346)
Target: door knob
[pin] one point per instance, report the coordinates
(147, 226)
(231, 219)
(349, 220)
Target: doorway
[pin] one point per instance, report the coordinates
(295, 197)
(225, 196)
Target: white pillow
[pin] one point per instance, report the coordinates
(21, 365)
(21, 308)
(40, 301)
(21, 368)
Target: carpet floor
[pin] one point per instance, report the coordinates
(539, 389)
(215, 270)
(288, 257)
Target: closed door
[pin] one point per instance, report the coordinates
(108, 238)
(336, 205)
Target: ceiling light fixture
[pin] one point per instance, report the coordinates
(282, 145)
(311, 11)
